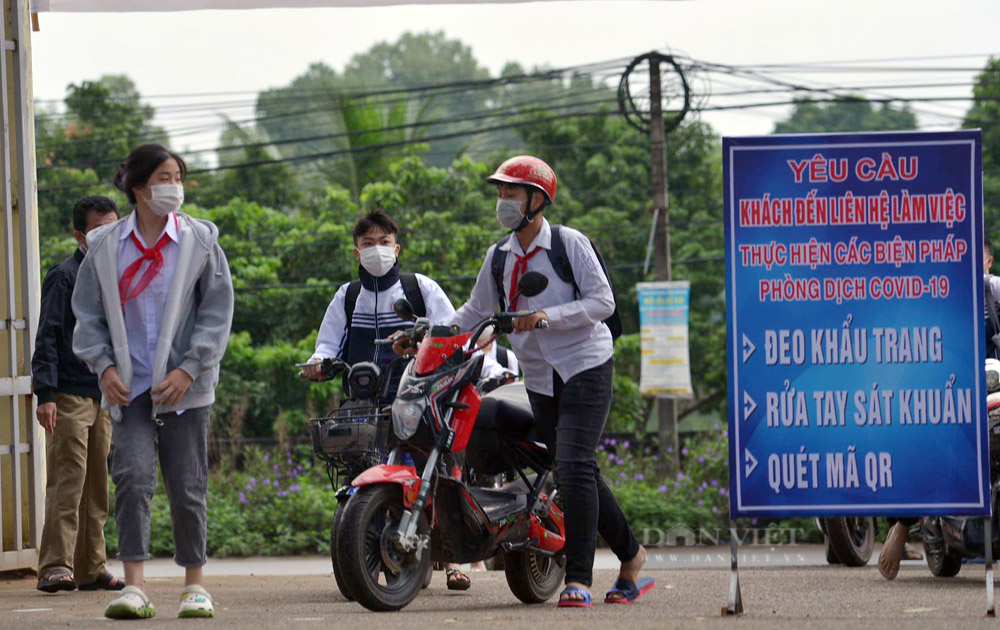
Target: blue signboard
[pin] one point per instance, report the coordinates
(855, 324)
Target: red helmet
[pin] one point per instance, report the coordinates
(527, 171)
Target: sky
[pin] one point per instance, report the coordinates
(228, 51)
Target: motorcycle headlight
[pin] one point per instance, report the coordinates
(406, 415)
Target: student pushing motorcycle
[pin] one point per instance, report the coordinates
(567, 367)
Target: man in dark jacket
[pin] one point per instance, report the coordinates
(72, 548)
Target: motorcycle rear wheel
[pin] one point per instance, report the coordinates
(337, 575)
(382, 577)
(851, 539)
(532, 578)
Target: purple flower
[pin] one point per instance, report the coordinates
(253, 481)
(267, 458)
(662, 489)
(715, 483)
(266, 482)
(276, 484)
(723, 491)
(625, 444)
(715, 510)
(282, 494)
(670, 450)
(612, 441)
(249, 488)
(715, 427)
(289, 461)
(275, 468)
(725, 434)
(704, 484)
(295, 488)
(753, 521)
(639, 477)
(700, 502)
(243, 499)
(701, 460)
(600, 447)
(293, 474)
(684, 451)
(677, 485)
(656, 458)
(622, 474)
(680, 475)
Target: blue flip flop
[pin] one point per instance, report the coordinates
(586, 602)
(627, 592)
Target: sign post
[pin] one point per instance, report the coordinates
(855, 325)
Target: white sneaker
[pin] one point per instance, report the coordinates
(196, 602)
(131, 604)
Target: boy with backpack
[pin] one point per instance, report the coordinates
(567, 367)
(362, 310)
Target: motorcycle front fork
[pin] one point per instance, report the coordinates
(406, 535)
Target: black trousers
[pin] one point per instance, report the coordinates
(571, 422)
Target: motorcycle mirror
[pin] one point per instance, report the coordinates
(404, 310)
(532, 283)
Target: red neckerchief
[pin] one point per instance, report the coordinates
(520, 268)
(152, 254)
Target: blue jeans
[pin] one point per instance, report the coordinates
(571, 423)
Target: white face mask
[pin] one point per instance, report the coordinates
(378, 259)
(166, 198)
(509, 213)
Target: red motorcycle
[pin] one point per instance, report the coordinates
(400, 519)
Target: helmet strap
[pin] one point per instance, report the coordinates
(529, 214)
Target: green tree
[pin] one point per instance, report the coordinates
(845, 114)
(248, 171)
(985, 114)
(103, 120)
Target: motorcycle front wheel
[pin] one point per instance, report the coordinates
(338, 576)
(851, 539)
(382, 576)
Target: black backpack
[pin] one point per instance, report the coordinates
(560, 262)
(411, 289)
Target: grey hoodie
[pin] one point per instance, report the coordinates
(195, 325)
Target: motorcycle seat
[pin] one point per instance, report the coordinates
(506, 410)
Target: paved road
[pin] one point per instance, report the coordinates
(776, 596)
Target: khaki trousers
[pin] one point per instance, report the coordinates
(76, 493)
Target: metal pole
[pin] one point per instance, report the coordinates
(667, 434)
(735, 605)
(27, 210)
(988, 529)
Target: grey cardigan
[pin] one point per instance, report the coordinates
(195, 325)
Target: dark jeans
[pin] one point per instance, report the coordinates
(181, 443)
(571, 422)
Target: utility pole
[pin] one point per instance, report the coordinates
(668, 434)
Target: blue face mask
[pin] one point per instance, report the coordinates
(509, 213)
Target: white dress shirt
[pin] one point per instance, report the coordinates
(577, 338)
(144, 313)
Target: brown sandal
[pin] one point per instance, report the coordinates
(892, 551)
(55, 581)
(104, 582)
(458, 580)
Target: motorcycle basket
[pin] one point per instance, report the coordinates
(352, 435)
